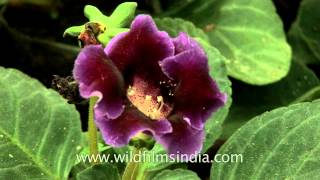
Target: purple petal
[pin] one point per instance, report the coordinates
(118, 132)
(97, 76)
(139, 50)
(196, 95)
(184, 43)
(184, 140)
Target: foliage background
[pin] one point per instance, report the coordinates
(31, 41)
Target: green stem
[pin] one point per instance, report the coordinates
(132, 169)
(308, 96)
(92, 130)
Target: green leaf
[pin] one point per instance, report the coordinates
(116, 152)
(79, 167)
(217, 71)
(101, 148)
(149, 167)
(155, 161)
(253, 100)
(39, 131)
(281, 144)
(85, 144)
(99, 171)
(177, 174)
(304, 34)
(176, 25)
(248, 33)
(110, 155)
(123, 14)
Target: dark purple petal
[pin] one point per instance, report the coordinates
(97, 76)
(184, 140)
(118, 132)
(196, 95)
(184, 43)
(138, 51)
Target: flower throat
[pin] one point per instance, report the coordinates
(148, 100)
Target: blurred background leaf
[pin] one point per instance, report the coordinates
(304, 35)
(250, 101)
(248, 33)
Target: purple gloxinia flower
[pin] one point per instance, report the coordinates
(149, 82)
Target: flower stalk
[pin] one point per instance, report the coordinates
(131, 171)
(92, 130)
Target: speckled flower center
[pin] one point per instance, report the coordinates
(148, 100)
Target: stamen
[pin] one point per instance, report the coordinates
(160, 100)
(149, 104)
(131, 91)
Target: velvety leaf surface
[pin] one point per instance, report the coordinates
(281, 144)
(152, 167)
(217, 71)
(39, 131)
(176, 25)
(99, 172)
(79, 167)
(248, 33)
(250, 101)
(304, 35)
(177, 174)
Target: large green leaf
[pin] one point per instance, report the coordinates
(304, 34)
(107, 155)
(156, 162)
(250, 101)
(281, 144)
(79, 167)
(39, 131)
(217, 71)
(248, 33)
(177, 174)
(99, 172)
(176, 25)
